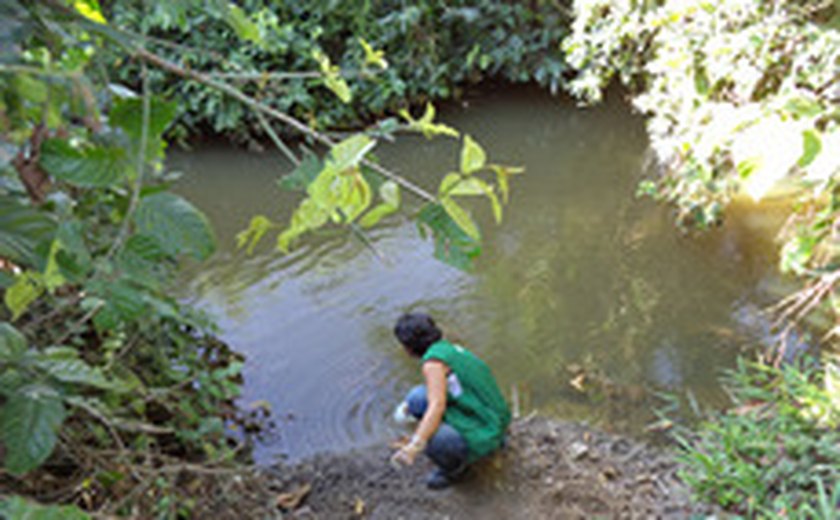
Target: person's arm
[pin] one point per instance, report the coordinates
(434, 372)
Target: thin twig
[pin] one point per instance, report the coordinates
(249, 101)
(276, 139)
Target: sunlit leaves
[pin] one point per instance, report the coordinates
(338, 193)
(241, 24)
(349, 152)
(472, 156)
(90, 9)
(86, 166)
(28, 287)
(29, 422)
(425, 124)
(178, 226)
(811, 147)
(461, 217)
(373, 57)
(332, 77)
(389, 192)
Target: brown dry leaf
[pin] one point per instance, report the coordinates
(291, 500)
(359, 507)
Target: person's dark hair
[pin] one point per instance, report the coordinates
(417, 332)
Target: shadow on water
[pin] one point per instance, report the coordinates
(586, 299)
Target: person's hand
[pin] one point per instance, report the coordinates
(407, 453)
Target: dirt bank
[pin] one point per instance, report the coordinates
(550, 469)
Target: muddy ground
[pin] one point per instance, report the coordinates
(549, 469)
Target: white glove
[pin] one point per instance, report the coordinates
(402, 415)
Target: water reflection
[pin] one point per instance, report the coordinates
(585, 299)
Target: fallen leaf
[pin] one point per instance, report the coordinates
(577, 383)
(291, 500)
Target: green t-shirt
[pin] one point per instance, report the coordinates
(474, 404)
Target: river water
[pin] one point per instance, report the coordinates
(586, 300)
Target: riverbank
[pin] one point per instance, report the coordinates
(550, 469)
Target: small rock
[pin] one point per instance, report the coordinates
(578, 450)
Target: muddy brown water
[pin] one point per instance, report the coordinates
(581, 278)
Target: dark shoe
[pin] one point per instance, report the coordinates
(441, 479)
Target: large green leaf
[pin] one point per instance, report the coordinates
(127, 114)
(64, 365)
(12, 343)
(461, 217)
(178, 226)
(452, 245)
(29, 422)
(87, 166)
(22, 228)
(18, 508)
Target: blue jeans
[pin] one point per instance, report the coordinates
(447, 448)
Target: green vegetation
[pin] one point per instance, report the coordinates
(432, 48)
(741, 98)
(775, 454)
(110, 388)
(113, 388)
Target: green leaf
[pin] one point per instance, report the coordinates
(372, 56)
(29, 422)
(503, 174)
(461, 217)
(452, 245)
(339, 87)
(804, 107)
(127, 114)
(12, 343)
(811, 147)
(88, 167)
(390, 194)
(425, 124)
(176, 225)
(350, 152)
(28, 287)
(258, 227)
(303, 174)
(242, 24)
(18, 508)
(90, 10)
(22, 228)
(472, 156)
(64, 365)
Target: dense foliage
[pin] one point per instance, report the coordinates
(431, 48)
(106, 378)
(740, 98)
(775, 454)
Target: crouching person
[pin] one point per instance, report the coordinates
(463, 415)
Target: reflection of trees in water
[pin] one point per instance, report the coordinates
(618, 293)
